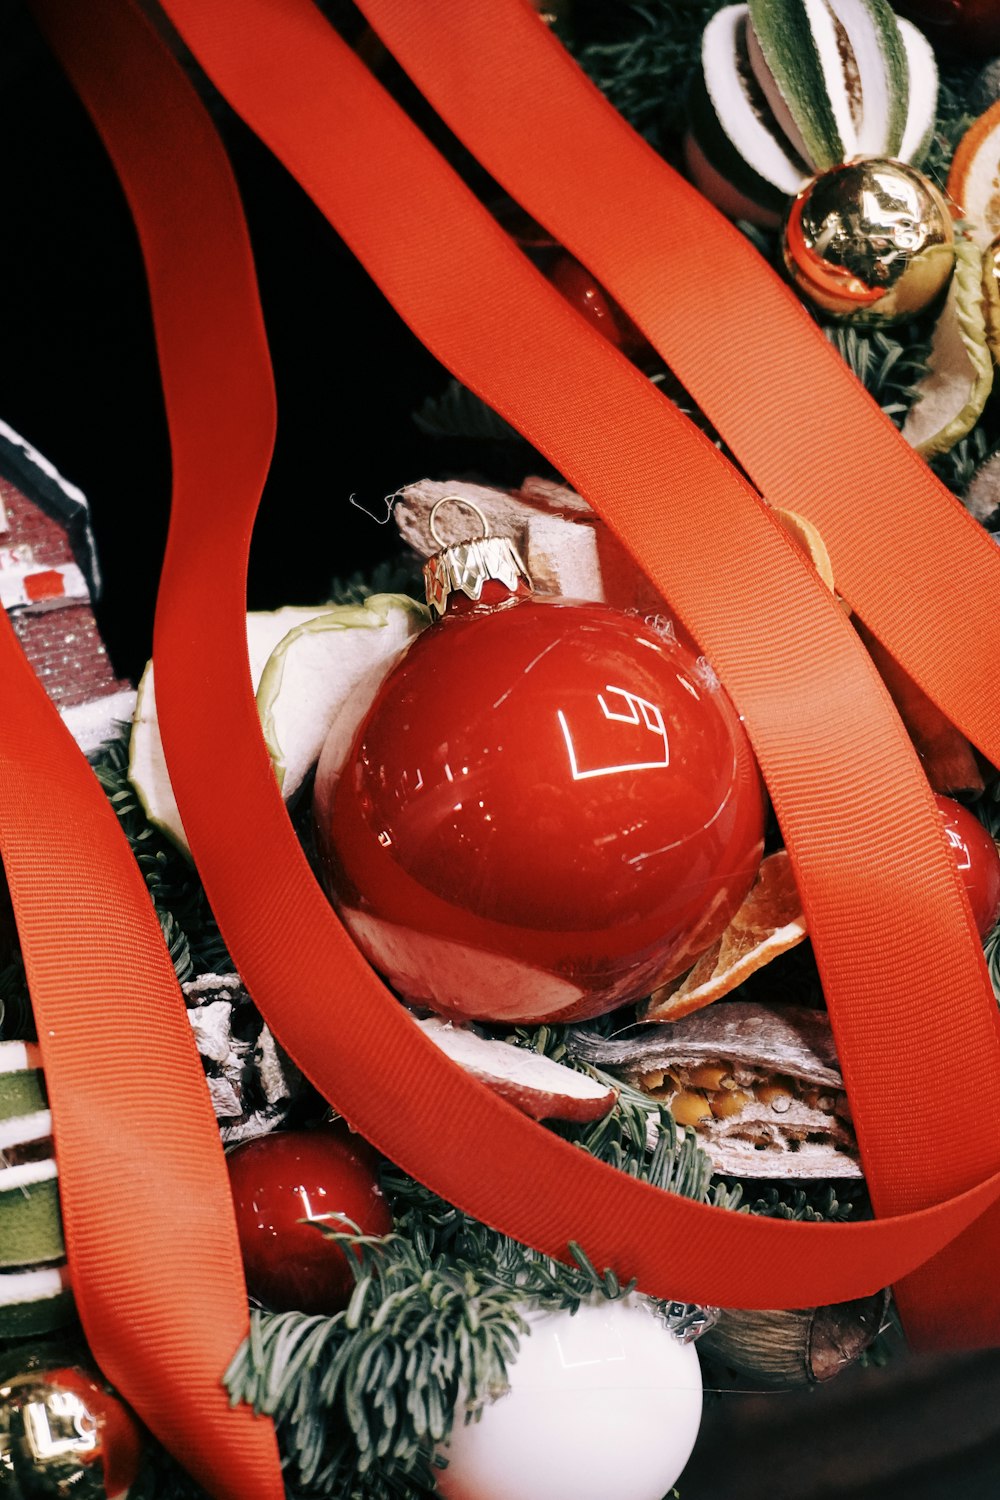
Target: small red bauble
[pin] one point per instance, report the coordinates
(574, 282)
(291, 1176)
(977, 859)
(548, 807)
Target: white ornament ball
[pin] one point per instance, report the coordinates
(606, 1401)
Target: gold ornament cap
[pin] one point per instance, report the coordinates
(466, 567)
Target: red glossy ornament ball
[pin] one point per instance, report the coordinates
(977, 859)
(282, 1181)
(547, 808)
(574, 282)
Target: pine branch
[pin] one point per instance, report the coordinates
(820, 1203)
(16, 1020)
(956, 467)
(191, 932)
(641, 53)
(888, 366)
(362, 1399)
(458, 413)
(395, 575)
(956, 81)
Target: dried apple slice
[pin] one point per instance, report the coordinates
(147, 765)
(536, 1085)
(798, 59)
(733, 125)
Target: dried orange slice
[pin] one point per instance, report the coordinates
(769, 922)
(807, 538)
(974, 176)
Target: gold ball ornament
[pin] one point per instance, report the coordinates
(869, 241)
(64, 1435)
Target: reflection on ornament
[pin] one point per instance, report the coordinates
(64, 1435)
(548, 806)
(604, 1402)
(870, 241)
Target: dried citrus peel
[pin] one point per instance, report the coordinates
(951, 397)
(769, 922)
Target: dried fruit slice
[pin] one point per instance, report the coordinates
(787, 88)
(922, 92)
(340, 655)
(769, 922)
(974, 177)
(810, 543)
(950, 398)
(875, 73)
(536, 1085)
(733, 124)
(147, 764)
(798, 59)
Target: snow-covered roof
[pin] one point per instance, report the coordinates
(40, 481)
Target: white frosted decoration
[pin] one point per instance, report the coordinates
(603, 1403)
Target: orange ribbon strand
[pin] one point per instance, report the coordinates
(889, 917)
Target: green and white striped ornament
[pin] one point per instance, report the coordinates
(34, 1288)
(788, 89)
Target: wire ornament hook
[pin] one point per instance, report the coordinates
(455, 500)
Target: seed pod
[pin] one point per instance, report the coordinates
(729, 1102)
(690, 1108)
(802, 1347)
(795, 1123)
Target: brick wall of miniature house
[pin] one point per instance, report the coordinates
(62, 643)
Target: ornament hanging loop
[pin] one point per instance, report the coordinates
(454, 500)
(464, 568)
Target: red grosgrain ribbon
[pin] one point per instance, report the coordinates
(836, 757)
(150, 1231)
(804, 429)
(834, 780)
(882, 897)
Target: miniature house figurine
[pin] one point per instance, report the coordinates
(48, 577)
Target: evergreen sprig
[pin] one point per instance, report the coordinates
(957, 466)
(189, 928)
(395, 575)
(640, 53)
(822, 1203)
(16, 1022)
(956, 82)
(362, 1399)
(456, 412)
(889, 366)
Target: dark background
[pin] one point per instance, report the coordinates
(78, 379)
(78, 375)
